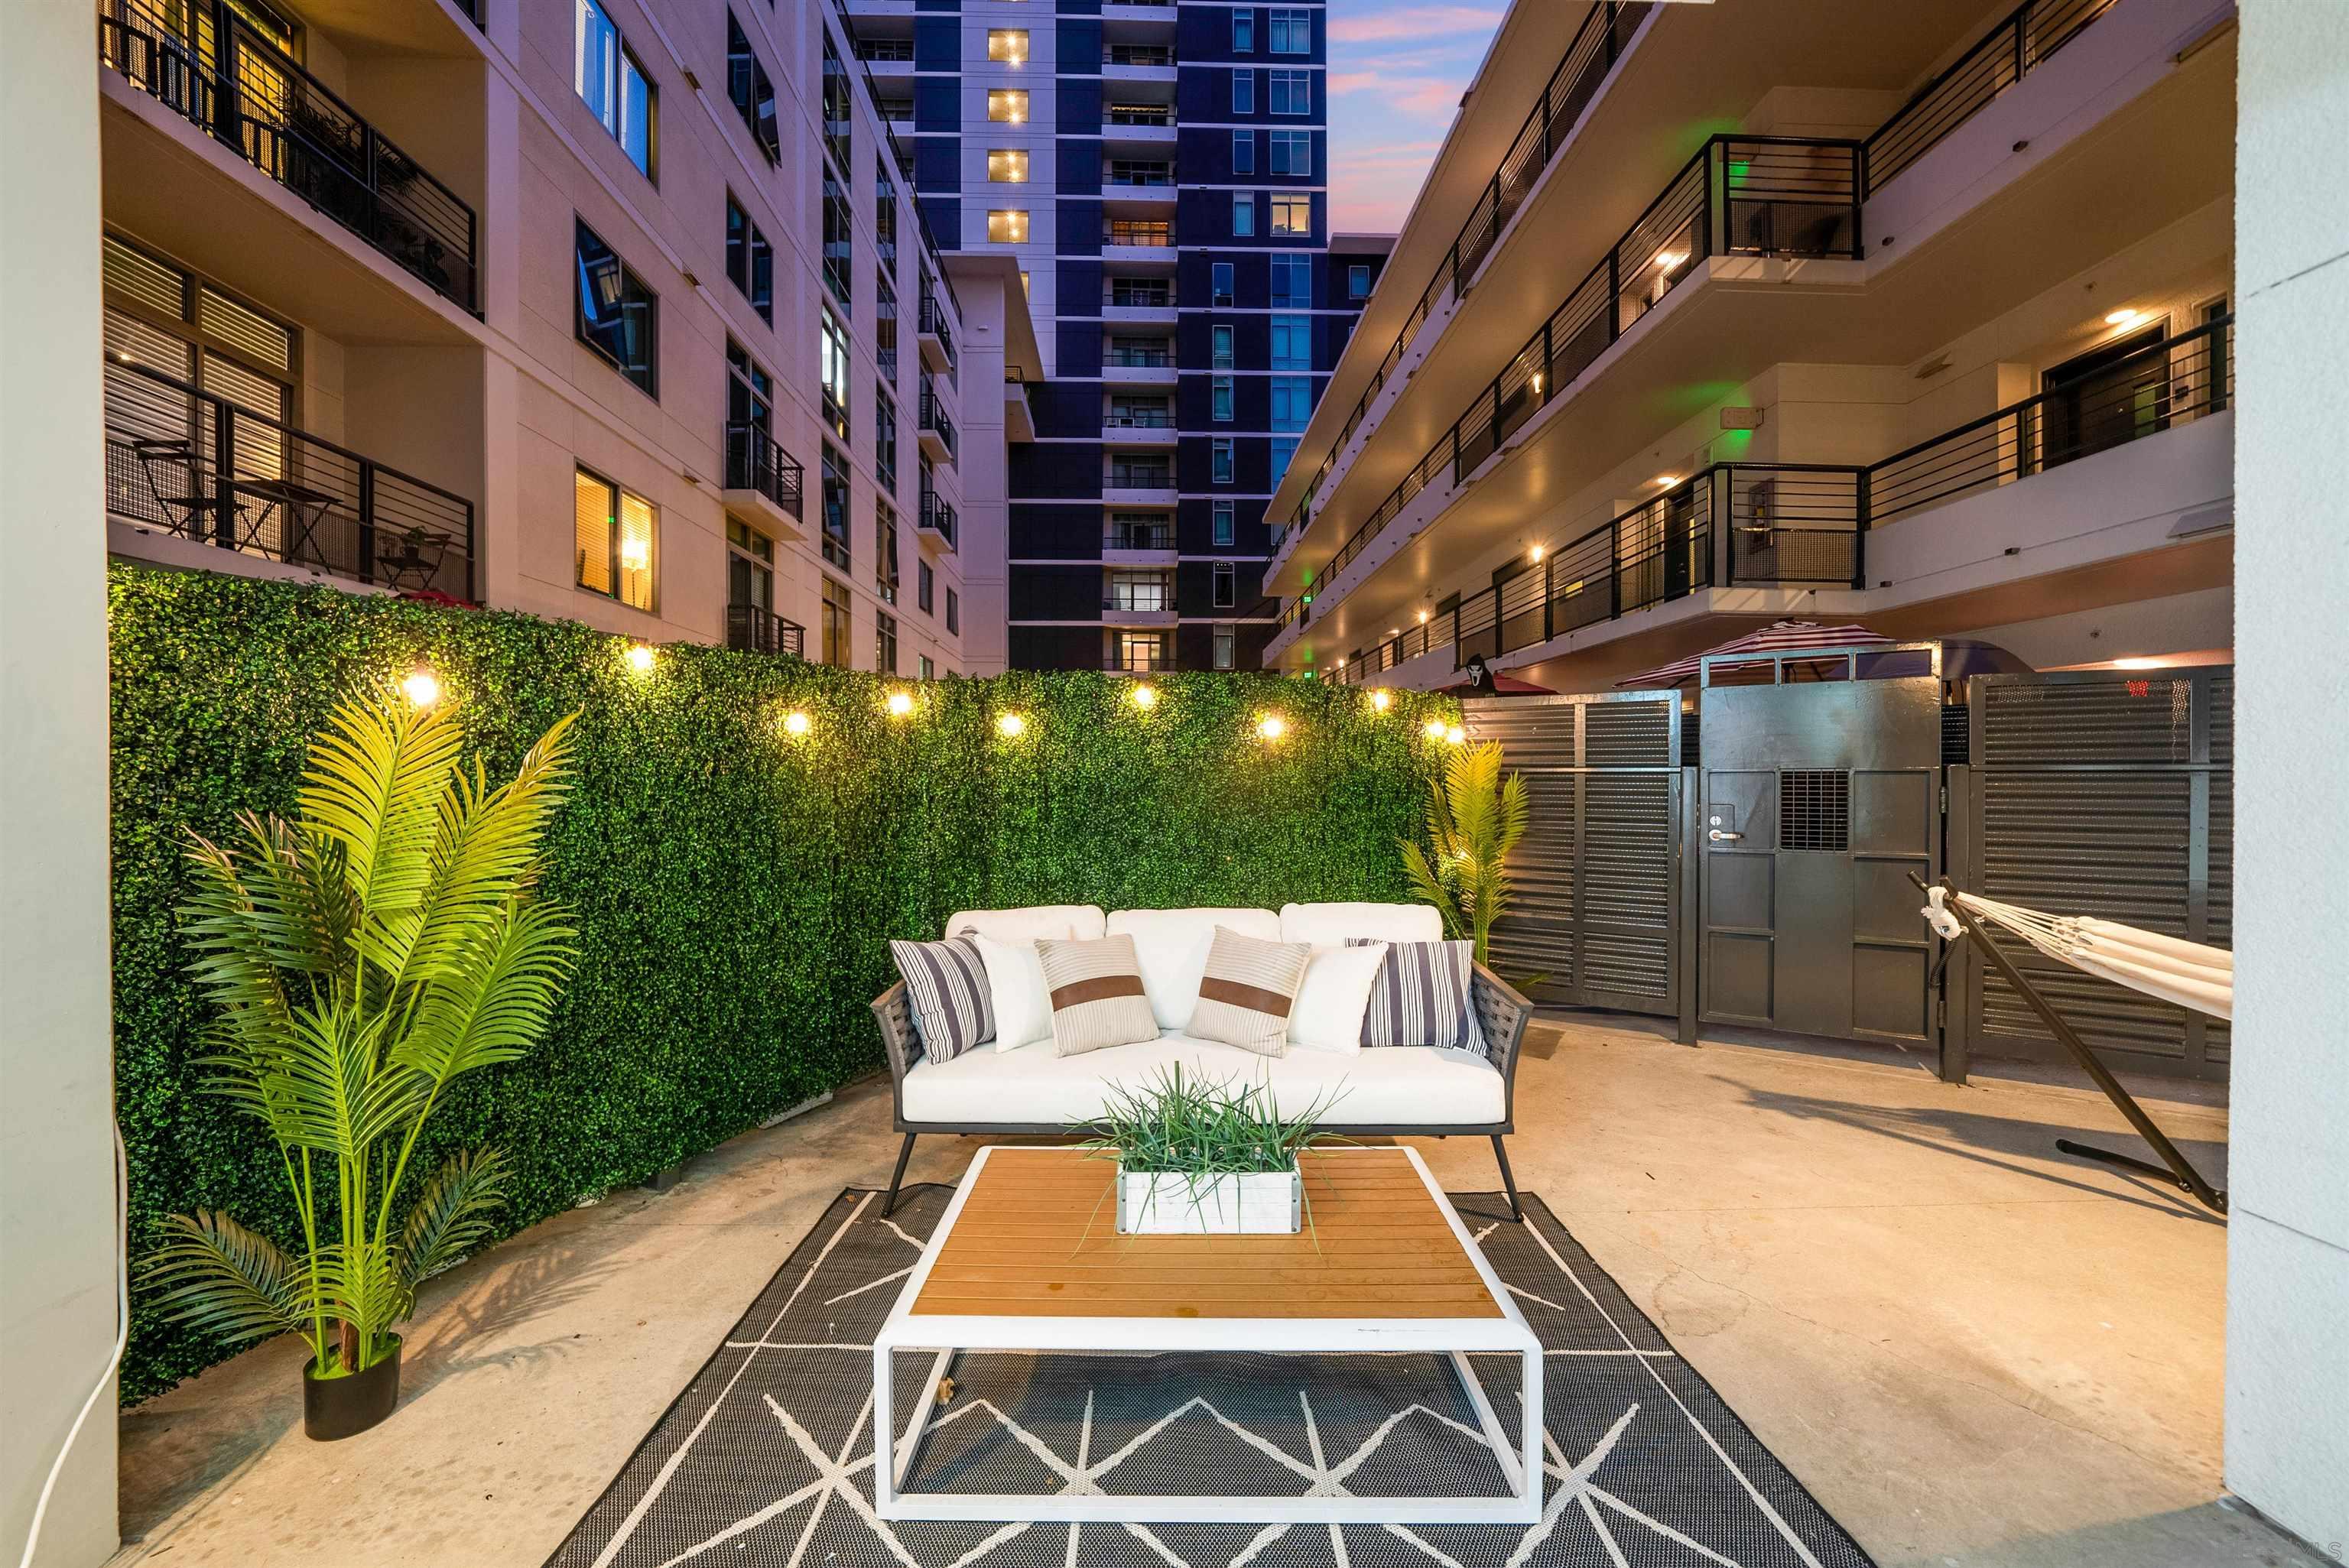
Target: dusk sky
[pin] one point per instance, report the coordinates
(1397, 69)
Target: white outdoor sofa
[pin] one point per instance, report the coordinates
(1410, 1090)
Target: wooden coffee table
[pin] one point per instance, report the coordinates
(1028, 1258)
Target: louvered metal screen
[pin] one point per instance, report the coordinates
(2105, 794)
(1599, 907)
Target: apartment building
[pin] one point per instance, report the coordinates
(1158, 173)
(612, 310)
(1918, 315)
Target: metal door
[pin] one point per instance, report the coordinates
(1818, 798)
(1600, 878)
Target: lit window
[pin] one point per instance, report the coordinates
(618, 315)
(833, 348)
(1007, 166)
(1008, 106)
(1243, 214)
(1292, 92)
(1007, 45)
(1291, 32)
(884, 644)
(1007, 226)
(1243, 92)
(1292, 214)
(835, 623)
(613, 530)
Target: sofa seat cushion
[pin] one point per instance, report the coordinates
(1406, 1086)
(1323, 926)
(1044, 923)
(1172, 946)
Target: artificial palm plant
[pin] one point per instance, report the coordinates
(363, 957)
(1476, 815)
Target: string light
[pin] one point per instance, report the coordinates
(1455, 734)
(640, 658)
(1383, 699)
(421, 687)
(1144, 696)
(1434, 730)
(900, 704)
(1011, 726)
(1272, 727)
(796, 724)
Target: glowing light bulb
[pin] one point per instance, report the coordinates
(1271, 727)
(1383, 699)
(796, 724)
(1668, 479)
(1423, 617)
(1455, 734)
(640, 658)
(1434, 730)
(2122, 317)
(1011, 726)
(1668, 260)
(1535, 554)
(1145, 696)
(900, 704)
(422, 688)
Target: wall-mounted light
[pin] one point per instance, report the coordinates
(421, 687)
(2137, 664)
(1011, 726)
(1668, 260)
(1144, 696)
(796, 724)
(1423, 617)
(1271, 727)
(1668, 479)
(900, 704)
(2122, 317)
(1535, 554)
(640, 658)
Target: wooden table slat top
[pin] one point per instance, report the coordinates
(1037, 1236)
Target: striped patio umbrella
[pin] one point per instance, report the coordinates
(1776, 636)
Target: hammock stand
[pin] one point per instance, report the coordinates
(2174, 1168)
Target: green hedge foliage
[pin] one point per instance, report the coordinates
(735, 888)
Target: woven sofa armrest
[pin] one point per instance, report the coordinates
(898, 1038)
(1502, 1014)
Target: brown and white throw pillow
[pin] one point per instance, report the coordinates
(1247, 992)
(945, 988)
(1097, 996)
(1421, 998)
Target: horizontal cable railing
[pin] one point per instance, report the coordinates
(187, 462)
(762, 631)
(2000, 58)
(209, 66)
(755, 462)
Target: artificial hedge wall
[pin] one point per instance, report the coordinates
(735, 889)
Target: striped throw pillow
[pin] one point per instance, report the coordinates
(1097, 996)
(1247, 992)
(946, 986)
(1421, 998)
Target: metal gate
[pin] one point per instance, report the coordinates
(1821, 795)
(2098, 793)
(1600, 878)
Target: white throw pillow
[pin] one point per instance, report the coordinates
(1322, 926)
(1044, 923)
(1017, 994)
(1328, 1013)
(1171, 945)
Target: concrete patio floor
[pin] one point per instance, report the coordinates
(1974, 1351)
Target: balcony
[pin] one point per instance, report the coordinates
(1139, 241)
(1139, 62)
(934, 523)
(1147, 366)
(1138, 127)
(763, 482)
(1139, 662)
(1138, 484)
(182, 464)
(1134, 543)
(937, 430)
(937, 335)
(1139, 427)
(1141, 302)
(1141, 608)
(757, 631)
(238, 88)
(1141, 182)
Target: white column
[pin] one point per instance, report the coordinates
(2288, 1245)
(57, 1065)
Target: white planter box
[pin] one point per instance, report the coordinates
(1161, 1203)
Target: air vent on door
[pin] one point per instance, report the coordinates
(1815, 810)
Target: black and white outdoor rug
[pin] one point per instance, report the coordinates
(766, 1457)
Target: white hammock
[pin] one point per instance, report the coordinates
(2187, 973)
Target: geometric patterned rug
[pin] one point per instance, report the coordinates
(766, 1457)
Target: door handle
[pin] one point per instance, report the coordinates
(1718, 836)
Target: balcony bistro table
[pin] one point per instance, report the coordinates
(1026, 1258)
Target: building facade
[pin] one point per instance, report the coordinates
(612, 310)
(1712, 316)
(1158, 172)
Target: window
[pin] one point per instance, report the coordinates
(1226, 647)
(835, 508)
(1292, 282)
(1219, 278)
(1008, 106)
(1227, 582)
(1243, 214)
(926, 586)
(885, 439)
(835, 623)
(1007, 166)
(1293, 342)
(884, 325)
(1293, 153)
(750, 566)
(837, 113)
(929, 668)
(1219, 352)
(1243, 152)
(1220, 400)
(1358, 281)
(885, 643)
(1291, 32)
(1292, 214)
(885, 577)
(618, 316)
(753, 94)
(1007, 226)
(1141, 591)
(954, 612)
(1220, 460)
(1226, 530)
(1007, 45)
(884, 217)
(1292, 92)
(834, 365)
(1292, 402)
(1244, 30)
(1284, 448)
(613, 530)
(839, 240)
(749, 390)
(749, 261)
(1243, 92)
(611, 82)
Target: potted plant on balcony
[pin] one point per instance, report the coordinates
(1196, 1156)
(363, 956)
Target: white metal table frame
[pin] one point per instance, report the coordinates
(1455, 1337)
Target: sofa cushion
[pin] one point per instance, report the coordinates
(1423, 997)
(1334, 997)
(946, 990)
(1328, 925)
(1172, 944)
(1097, 996)
(1016, 994)
(1247, 991)
(1050, 922)
(1035, 1086)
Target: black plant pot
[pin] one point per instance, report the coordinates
(335, 1408)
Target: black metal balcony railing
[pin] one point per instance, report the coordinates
(182, 461)
(1152, 231)
(755, 462)
(1155, 661)
(2001, 57)
(1139, 358)
(1141, 55)
(1138, 419)
(897, 51)
(935, 323)
(1137, 536)
(1123, 172)
(1126, 477)
(1126, 297)
(1140, 114)
(1798, 525)
(212, 69)
(760, 631)
(934, 418)
(1140, 602)
(937, 517)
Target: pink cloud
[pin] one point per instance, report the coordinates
(1414, 22)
